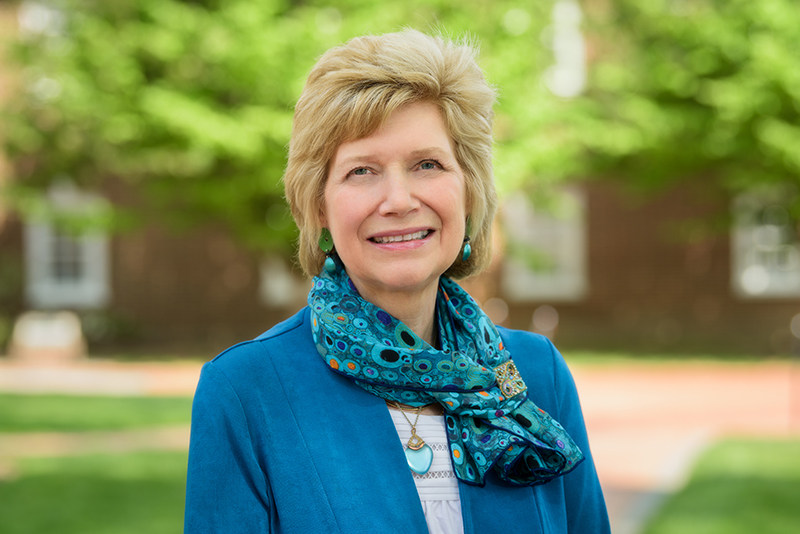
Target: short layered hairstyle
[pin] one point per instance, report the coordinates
(351, 92)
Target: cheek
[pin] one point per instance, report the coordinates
(344, 217)
(451, 209)
(454, 201)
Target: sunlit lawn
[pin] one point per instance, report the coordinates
(738, 487)
(33, 413)
(109, 494)
(128, 493)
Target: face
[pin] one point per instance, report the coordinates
(395, 204)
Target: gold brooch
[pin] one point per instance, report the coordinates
(509, 380)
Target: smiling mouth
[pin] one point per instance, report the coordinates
(400, 238)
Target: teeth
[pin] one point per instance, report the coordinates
(399, 238)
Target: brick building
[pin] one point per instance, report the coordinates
(649, 277)
(684, 269)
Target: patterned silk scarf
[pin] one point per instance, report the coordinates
(490, 421)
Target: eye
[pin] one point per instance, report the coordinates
(429, 165)
(359, 171)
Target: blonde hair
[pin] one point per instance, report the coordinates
(349, 94)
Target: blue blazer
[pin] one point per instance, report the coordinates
(282, 444)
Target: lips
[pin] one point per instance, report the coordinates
(401, 238)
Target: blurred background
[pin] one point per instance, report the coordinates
(648, 162)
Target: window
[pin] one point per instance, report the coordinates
(546, 249)
(567, 77)
(765, 252)
(278, 286)
(65, 270)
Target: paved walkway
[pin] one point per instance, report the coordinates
(95, 377)
(647, 422)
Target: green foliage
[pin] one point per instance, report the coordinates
(190, 103)
(689, 89)
(103, 494)
(60, 413)
(108, 328)
(10, 293)
(739, 486)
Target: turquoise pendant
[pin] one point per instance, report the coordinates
(420, 460)
(330, 265)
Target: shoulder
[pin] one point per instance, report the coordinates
(256, 356)
(528, 348)
(284, 333)
(524, 338)
(292, 326)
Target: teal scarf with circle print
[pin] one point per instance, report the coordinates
(490, 421)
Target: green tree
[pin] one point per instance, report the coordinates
(687, 88)
(190, 103)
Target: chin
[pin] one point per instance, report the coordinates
(400, 280)
(403, 282)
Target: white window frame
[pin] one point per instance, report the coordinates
(765, 254)
(567, 77)
(559, 236)
(43, 288)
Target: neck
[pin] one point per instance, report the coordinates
(415, 310)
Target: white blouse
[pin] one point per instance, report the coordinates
(438, 488)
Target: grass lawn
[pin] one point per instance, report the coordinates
(131, 493)
(738, 487)
(105, 494)
(55, 413)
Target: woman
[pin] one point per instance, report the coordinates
(391, 403)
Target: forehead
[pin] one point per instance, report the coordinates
(410, 128)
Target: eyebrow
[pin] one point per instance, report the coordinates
(430, 150)
(417, 153)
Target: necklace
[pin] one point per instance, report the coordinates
(419, 454)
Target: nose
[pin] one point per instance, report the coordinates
(399, 196)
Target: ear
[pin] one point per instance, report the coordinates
(323, 221)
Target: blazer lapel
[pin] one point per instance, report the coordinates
(353, 444)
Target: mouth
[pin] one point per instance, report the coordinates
(401, 238)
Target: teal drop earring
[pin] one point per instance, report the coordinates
(326, 244)
(467, 249)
